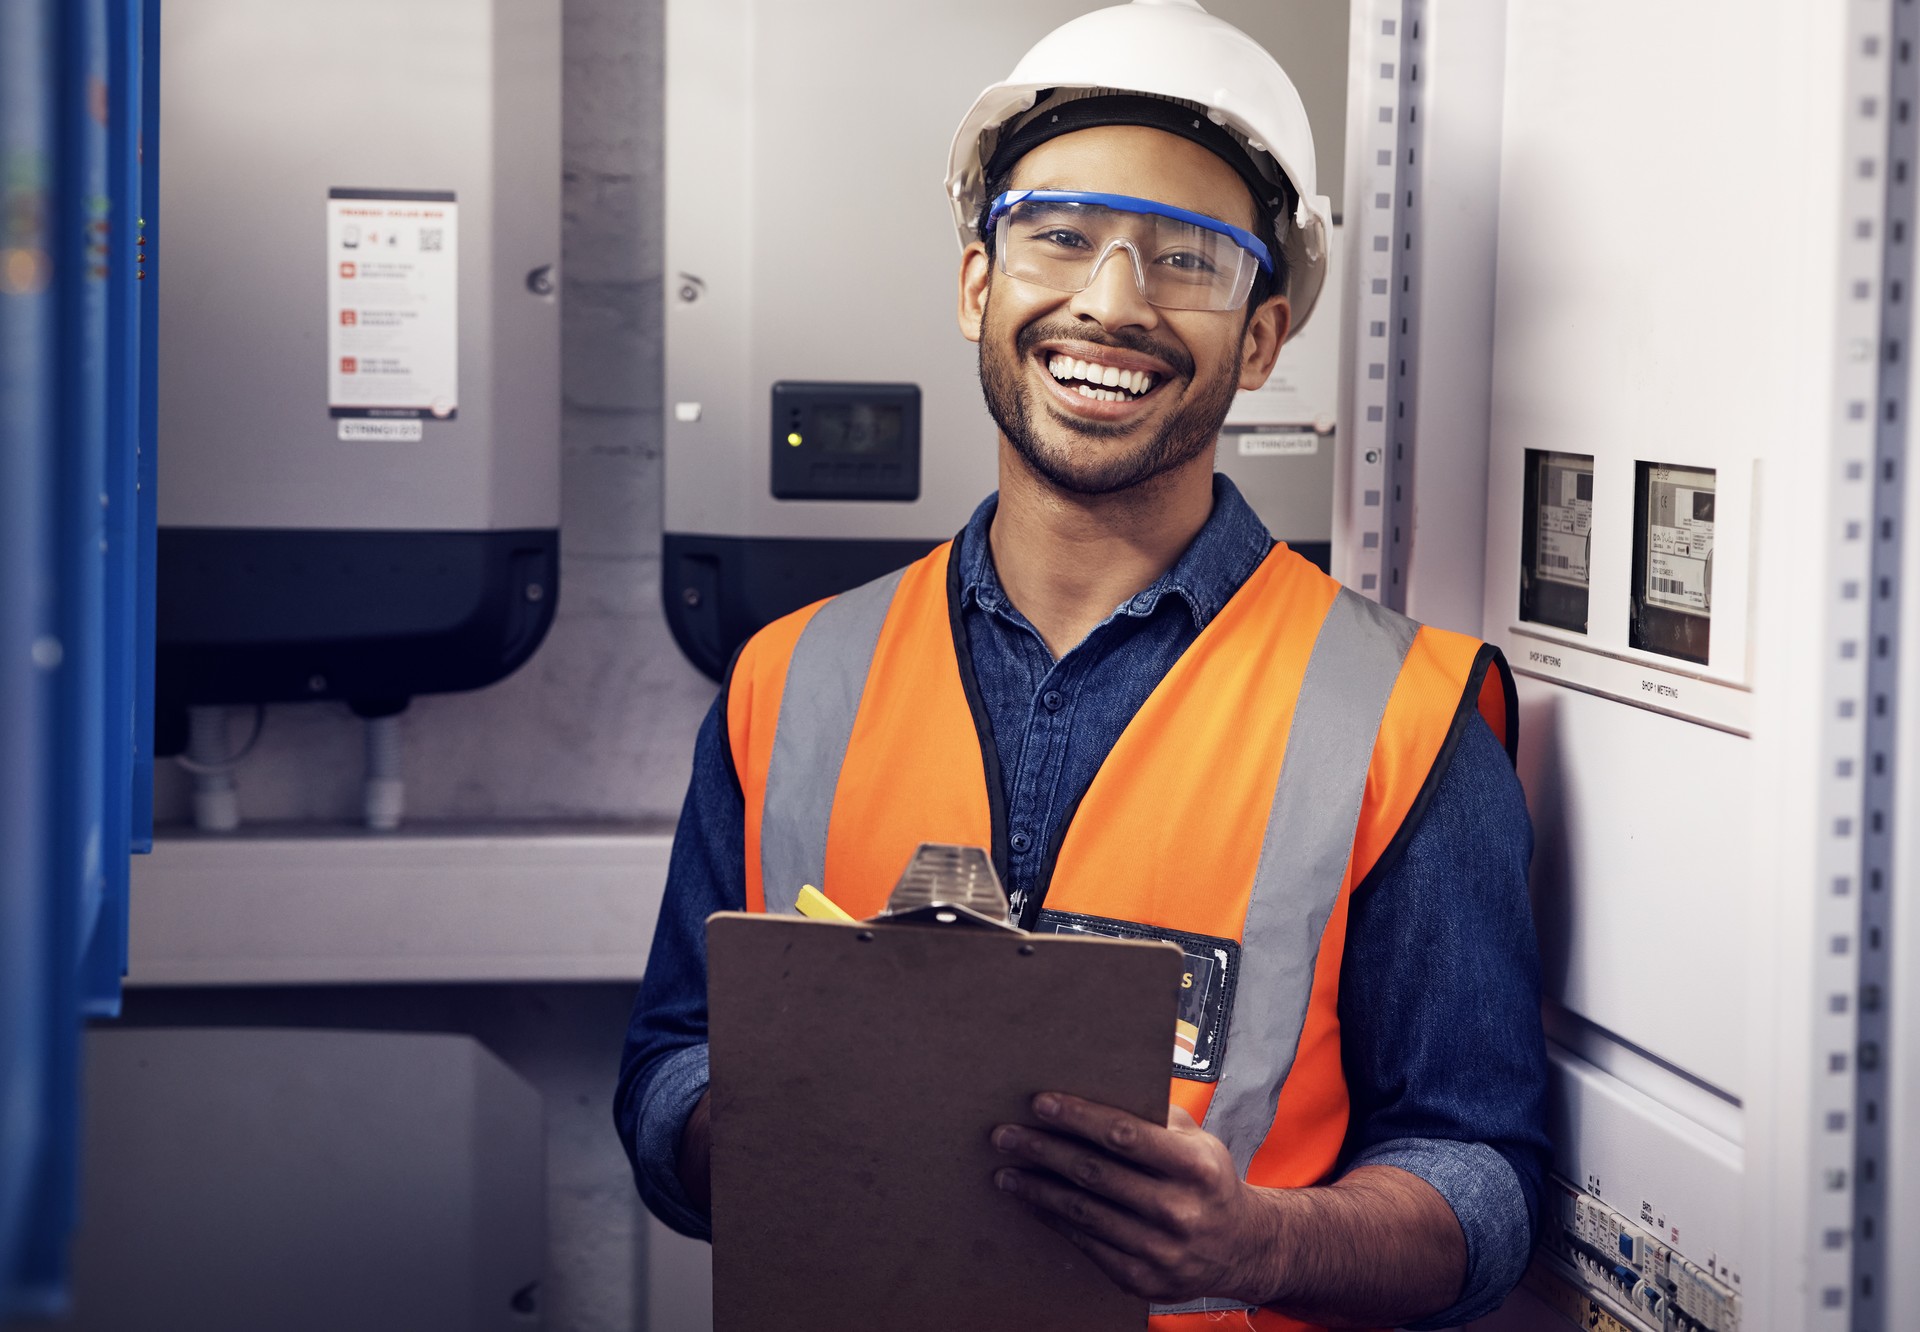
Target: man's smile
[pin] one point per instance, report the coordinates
(1099, 383)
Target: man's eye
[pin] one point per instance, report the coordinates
(1187, 261)
(1063, 237)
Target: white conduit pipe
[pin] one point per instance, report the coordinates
(386, 793)
(216, 801)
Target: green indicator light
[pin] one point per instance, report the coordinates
(794, 439)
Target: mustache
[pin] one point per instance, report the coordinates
(1030, 338)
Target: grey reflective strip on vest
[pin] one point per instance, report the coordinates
(1303, 860)
(825, 679)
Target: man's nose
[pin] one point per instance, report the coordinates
(1113, 295)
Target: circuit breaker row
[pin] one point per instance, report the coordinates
(1619, 1260)
(1671, 593)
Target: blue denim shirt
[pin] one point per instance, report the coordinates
(1439, 987)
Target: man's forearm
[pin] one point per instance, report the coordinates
(694, 1164)
(1378, 1248)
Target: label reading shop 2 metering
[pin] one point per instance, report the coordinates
(1679, 566)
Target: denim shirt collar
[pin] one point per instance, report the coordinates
(1222, 556)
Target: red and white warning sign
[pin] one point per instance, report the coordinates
(393, 304)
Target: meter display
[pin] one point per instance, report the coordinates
(1673, 560)
(1556, 539)
(859, 427)
(842, 441)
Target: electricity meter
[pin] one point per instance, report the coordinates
(1672, 560)
(1557, 539)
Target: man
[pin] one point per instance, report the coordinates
(1164, 726)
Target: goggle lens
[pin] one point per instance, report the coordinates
(1179, 265)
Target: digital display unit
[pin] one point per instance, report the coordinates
(836, 441)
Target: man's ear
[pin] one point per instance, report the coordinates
(1260, 347)
(976, 271)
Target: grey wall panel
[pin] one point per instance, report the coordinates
(600, 723)
(267, 108)
(564, 1041)
(302, 1179)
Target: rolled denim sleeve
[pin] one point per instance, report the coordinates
(663, 1069)
(1440, 1020)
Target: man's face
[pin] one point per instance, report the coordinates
(1031, 336)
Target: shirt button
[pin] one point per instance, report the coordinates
(1020, 841)
(1053, 698)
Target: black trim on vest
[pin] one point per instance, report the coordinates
(982, 724)
(1512, 738)
(1469, 708)
(1030, 914)
(726, 727)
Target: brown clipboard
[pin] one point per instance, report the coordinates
(857, 1070)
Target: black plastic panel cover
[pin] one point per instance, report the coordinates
(720, 590)
(276, 615)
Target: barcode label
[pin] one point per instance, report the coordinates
(1671, 586)
(430, 238)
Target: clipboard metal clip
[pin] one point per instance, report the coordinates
(946, 885)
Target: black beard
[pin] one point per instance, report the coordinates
(1188, 432)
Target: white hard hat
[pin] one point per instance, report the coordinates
(1177, 53)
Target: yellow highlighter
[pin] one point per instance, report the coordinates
(817, 905)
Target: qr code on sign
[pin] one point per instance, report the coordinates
(430, 238)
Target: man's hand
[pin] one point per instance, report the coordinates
(1165, 1214)
(1161, 1210)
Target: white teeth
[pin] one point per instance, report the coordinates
(1135, 382)
(1098, 395)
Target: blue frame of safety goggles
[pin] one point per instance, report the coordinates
(1181, 260)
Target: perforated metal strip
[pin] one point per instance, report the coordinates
(1872, 1049)
(1845, 1265)
(1382, 245)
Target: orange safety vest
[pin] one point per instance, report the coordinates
(1282, 759)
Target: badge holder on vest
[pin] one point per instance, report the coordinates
(858, 1068)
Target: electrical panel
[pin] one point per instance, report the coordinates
(1633, 1267)
(359, 397)
(1693, 559)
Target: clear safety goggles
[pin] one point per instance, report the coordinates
(1181, 260)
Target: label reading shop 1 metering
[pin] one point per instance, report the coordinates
(1564, 518)
(393, 308)
(1679, 569)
